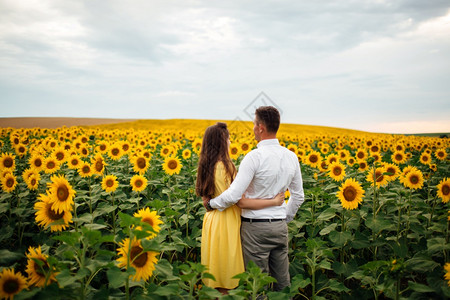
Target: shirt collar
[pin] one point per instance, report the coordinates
(268, 142)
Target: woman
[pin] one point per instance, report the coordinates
(221, 249)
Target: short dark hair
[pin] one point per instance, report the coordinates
(269, 116)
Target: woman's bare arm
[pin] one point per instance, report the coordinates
(261, 203)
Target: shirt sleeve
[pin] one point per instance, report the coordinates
(239, 185)
(297, 195)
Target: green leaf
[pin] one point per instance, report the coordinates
(116, 277)
(378, 224)
(340, 238)
(421, 288)
(7, 257)
(328, 229)
(95, 226)
(437, 244)
(65, 278)
(337, 286)
(327, 214)
(421, 263)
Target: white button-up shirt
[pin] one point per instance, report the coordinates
(263, 173)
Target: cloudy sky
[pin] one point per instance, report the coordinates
(372, 65)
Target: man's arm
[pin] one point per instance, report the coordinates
(297, 195)
(240, 184)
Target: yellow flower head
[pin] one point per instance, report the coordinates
(336, 171)
(444, 189)
(11, 283)
(172, 165)
(110, 183)
(350, 194)
(61, 194)
(142, 261)
(138, 183)
(151, 218)
(37, 272)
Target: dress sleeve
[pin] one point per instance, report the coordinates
(221, 180)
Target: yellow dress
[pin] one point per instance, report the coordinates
(221, 249)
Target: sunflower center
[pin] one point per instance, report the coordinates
(84, 151)
(40, 270)
(11, 286)
(138, 183)
(115, 151)
(38, 162)
(33, 181)
(234, 151)
(379, 176)
(109, 183)
(141, 163)
(10, 182)
(398, 157)
(324, 165)
(102, 147)
(440, 154)
(148, 221)
(53, 215)
(86, 169)
(414, 179)
(333, 159)
(51, 165)
(360, 155)
(8, 162)
(337, 171)
(59, 156)
(165, 151)
(138, 257)
(62, 193)
(99, 165)
(313, 158)
(445, 190)
(125, 147)
(244, 147)
(349, 193)
(172, 164)
(391, 171)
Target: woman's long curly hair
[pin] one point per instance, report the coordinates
(214, 149)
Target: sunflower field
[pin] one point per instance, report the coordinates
(110, 212)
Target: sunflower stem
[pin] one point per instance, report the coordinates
(432, 212)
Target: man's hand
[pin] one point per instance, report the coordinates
(205, 202)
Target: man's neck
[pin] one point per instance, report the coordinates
(268, 137)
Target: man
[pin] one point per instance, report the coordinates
(263, 173)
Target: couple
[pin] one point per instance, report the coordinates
(246, 218)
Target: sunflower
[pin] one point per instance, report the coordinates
(47, 216)
(444, 189)
(11, 283)
(336, 171)
(343, 154)
(350, 194)
(361, 154)
(172, 165)
(234, 151)
(393, 170)
(447, 273)
(138, 183)
(7, 161)
(323, 167)
(441, 154)
(313, 159)
(98, 164)
(126, 147)
(425, 158)
(115, 151)
(332, 158)
(377, 175)
(102, 147)
(83, 151)
(399, 157)
(142, 261)
(186, 154)
(140, 164)
(9, 183)
(60, 154)
(20, 149)
(61, 194)
(36, 162)
(151, 218)
(245, 147)
(51, 165)
(40, 274)
(85, 170)
(293, 148)
(110, 183)
(74, 161)
(166, 151)
(33, 181)
(351, 161)
(414, 179)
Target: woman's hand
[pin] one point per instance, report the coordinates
(278, 199)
